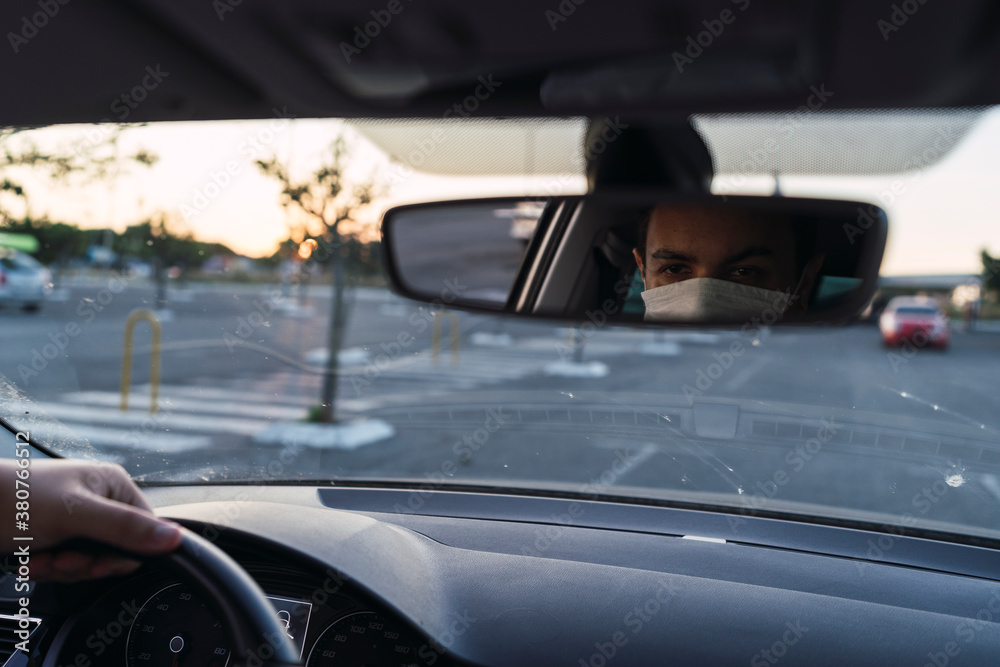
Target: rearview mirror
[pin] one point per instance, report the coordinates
(641, 257)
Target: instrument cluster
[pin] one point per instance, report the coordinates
(153, 621)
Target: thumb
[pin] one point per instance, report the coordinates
(125, 526)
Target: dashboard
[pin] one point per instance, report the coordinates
(366, 576)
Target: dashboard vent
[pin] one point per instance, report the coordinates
(9, 655)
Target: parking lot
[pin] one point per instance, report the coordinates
(238, 360)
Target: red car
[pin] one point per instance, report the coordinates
(914, 320)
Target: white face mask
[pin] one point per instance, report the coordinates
(714, 300)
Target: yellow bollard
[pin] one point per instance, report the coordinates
(436, 337)
(154, 357)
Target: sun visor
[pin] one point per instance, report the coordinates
(807, 142)
(802, 142)
(481, 147)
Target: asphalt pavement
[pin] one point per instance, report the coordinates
(763, 415)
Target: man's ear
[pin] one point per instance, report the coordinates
(639, 262)
(809, 274)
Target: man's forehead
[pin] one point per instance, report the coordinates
(672, 214)
(721, 228)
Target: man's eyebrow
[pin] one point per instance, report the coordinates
(666, 253)
(752, 251)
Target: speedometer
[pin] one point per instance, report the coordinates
(364, 638)
(175, 629)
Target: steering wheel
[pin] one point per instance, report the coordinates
(257, 638)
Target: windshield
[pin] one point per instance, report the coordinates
(203, 273)
(908, 310)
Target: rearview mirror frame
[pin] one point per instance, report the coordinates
(860, 222)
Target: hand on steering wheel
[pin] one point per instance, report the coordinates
(80, 499)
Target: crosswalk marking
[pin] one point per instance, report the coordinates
(475, 368)
(195, 416)
(163, 420)
(233, 405)
(102, 437)
(280, 396)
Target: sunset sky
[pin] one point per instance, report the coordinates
(947, 213)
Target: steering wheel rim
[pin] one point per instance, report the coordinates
(254, 628)
(257, 637)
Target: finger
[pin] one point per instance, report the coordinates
(112, 566)
(65, 566)
(65, 577)
(125, 490)
(112, 481)
(124, 526)
(71, 566)
(41, 567)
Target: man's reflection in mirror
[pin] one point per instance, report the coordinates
(713, 264)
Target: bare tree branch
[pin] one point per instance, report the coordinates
(93, 159)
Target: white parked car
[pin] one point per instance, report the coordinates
(24, 281)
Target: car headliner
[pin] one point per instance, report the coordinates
(235, 59)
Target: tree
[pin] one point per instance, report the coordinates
(328, 200)
(97, 157)
(57, 241)
(991, 272)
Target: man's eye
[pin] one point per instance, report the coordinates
(674, 269)
(745, 272)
